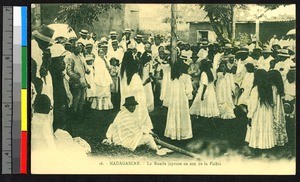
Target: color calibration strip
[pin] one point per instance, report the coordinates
(20, 79)
(19, 126)
(24, 142)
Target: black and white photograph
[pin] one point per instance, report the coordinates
(163, 88)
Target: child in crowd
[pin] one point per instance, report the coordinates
(114, 87)
(90, 91)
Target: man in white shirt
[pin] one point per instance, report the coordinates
(116, 52)
(264, 60)
(155, 46)
(139, 44)
(126, 39)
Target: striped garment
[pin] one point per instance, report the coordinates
(125, 130)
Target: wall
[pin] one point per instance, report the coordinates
(266, 31)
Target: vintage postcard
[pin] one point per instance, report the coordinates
(163, 89)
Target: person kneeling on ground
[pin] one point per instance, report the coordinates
(127, 131)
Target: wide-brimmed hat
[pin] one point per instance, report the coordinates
(44, 33)
(266, 50)
(113, 33)
(88, 45)
(284, 53)
(130, 101)
(127, 30)
(243, 50)
(104, 46)
(139, 36)
(83, 32)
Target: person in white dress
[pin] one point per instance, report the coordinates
(102, 80)
(260, 132)
(179, 124)
(131, 85)
(225, 91)
(205, 102)
(166, 79)
(279, 124)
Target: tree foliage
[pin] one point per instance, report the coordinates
(221, 16)
(79, 15)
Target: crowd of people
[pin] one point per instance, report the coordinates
(136, 75)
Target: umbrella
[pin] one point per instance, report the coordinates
(62, 30)
(291, 32)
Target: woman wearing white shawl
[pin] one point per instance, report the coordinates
(102, 101)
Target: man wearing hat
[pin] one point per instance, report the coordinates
(187, 52)
(84, 37)
(243, 58)
(139, 44)
(155, 46)
(264, 60)
(76, 71)
(284, 63)
(126, 39)
(127, 131)
(256, 54)
(115, 52)
(112, 37)
(41, 54)
(203, 52)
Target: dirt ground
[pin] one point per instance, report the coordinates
(211, 137)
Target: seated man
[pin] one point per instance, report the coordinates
(126, 131)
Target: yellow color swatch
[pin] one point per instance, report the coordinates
(24, 110)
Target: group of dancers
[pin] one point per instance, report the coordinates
(210, 80)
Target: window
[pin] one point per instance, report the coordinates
(201, 34)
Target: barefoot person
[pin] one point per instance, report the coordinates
(128, 132)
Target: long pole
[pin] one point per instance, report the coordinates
(173, 33)
(257, 31)
(233, 23)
